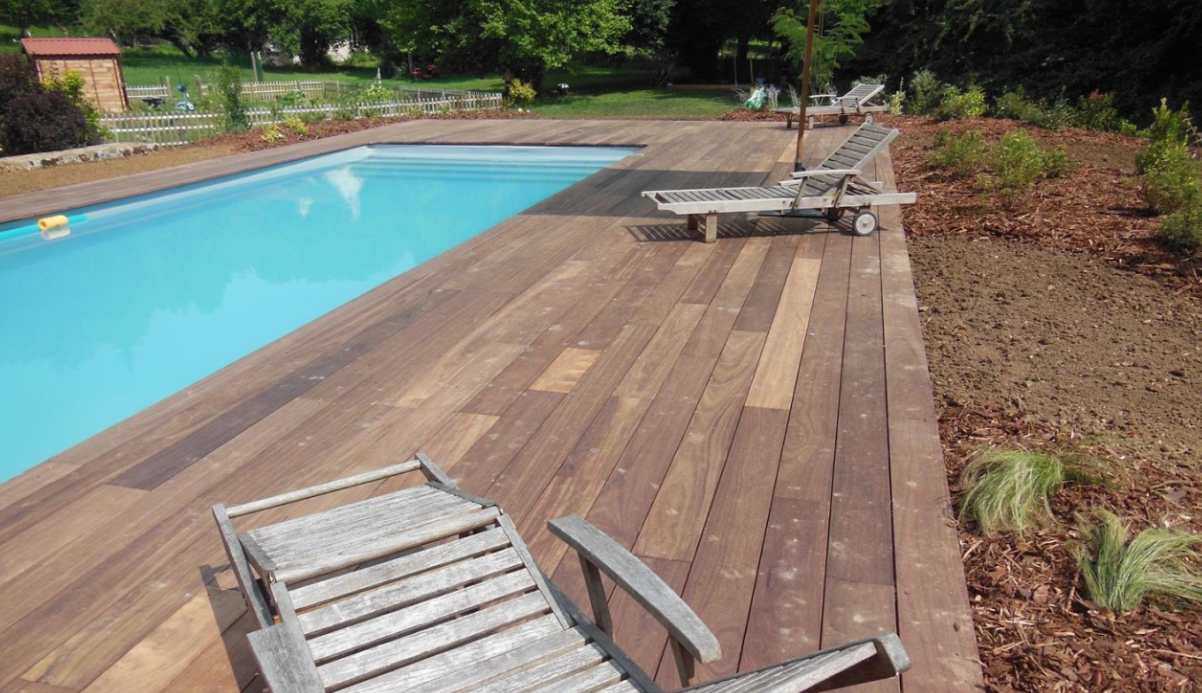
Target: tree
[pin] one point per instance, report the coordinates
(24, 14)
(841, 31)
(522, 38)
(308, 27)
(195, 27)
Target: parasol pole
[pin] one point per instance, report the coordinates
(811, 22)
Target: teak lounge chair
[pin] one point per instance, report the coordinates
(856, 101)
(835, 186)
(429, 588)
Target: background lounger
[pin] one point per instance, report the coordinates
(835, 186)
(430, 588)
(854, 102)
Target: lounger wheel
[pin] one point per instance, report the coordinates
(834, 214)
(865, 223)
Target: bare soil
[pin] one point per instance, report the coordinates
(1063, 325)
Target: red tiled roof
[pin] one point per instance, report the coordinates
(69, 46)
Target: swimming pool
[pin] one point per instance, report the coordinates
(150, 294)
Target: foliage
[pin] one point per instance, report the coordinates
(520, 92)
(308, 27)
(843, 28)
(1182, 230)
(195, 27)
(897, 102)
(962, 154)
(34, 118)
(25, 14)
(523, 38)
(296, 125)
(1098, 112)
(71, 85)
(1017, 162)
(1120, 573)
(229, 90)
(1172, 179)
(272, 134)
(926, 93)
(967, 103)
(1008, 490)
(376, 91)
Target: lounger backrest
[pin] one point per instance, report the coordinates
(860, 94)
(857, 151)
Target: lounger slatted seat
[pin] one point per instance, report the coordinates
(857, 101)
(835, 187)
(431, 589)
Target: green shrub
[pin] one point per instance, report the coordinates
(897, 103)
(229, 90)
(296, 125)
(1182, 230)
(926, 92)
(1120, 573)
(71, 85)
(37, 118)
(963, 155)
(1056, 115)
(1126, 127)
(292, 99)
(1056, 163)
(1014, 105)
(969, 103)
(1097, 112)
(520, 92)
(1018, 162)
(272, 134)
(377, 92)
(1008, 490)
(1169, 125)
(1171, 181)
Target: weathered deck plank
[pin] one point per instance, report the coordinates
(562, 363)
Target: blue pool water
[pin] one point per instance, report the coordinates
(150, 294)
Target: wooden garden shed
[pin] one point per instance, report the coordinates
(97, 60)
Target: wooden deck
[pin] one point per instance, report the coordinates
(753, 417)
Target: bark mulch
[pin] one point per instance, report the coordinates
(1063, 325)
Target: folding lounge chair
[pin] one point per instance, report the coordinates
(834, 187)
(429, 588)
(854, 102)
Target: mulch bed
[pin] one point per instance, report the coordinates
(1028, 359)
(1035, 630)
(253, 139)
(1098, 208)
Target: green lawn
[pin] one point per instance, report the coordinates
(638, 103)
(624, 91)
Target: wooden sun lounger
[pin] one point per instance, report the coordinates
(429, 588)
(835, 187)
(854, 102)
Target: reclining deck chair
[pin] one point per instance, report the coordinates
(835, 186)
(429, 588)
(857, 101)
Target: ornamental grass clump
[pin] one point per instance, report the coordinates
(1009, 490)
(1120, 573)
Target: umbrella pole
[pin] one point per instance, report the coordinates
(805, 82)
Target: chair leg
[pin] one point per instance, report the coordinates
(711, 228)
(692, 222)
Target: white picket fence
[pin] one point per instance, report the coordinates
(171, 128)
(311, 88)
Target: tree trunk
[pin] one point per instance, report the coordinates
(313, 47)
(741, 64)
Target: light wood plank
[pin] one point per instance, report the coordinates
(566, 370)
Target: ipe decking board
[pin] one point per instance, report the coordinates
(754, 417)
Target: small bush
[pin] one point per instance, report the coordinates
(272, 134)
(897, 103)
(229, 90)
(1097, 112)
(963, 155)
(1008, 490)
(296, 125)
(1182, 230)
(520, 92)
(292, 99)
(38, 118)
(926, 93)
(1018, 162)
(1171, 178)
(1120, 574)
(1056, 163)
(377, 92)
(969, 103)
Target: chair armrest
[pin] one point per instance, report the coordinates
(858, 662)
(826, 172)
(285, 660)
(632, 575)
